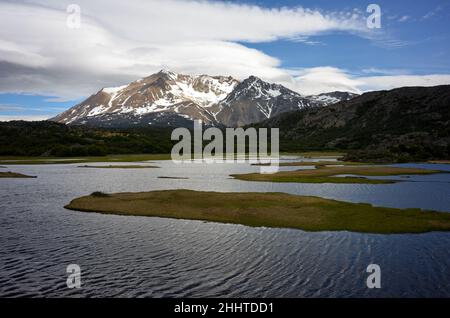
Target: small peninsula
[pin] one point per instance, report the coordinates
(335, 174)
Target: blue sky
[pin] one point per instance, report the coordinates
(31, 107)
(423, 26)
(47, 67)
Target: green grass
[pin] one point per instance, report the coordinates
(322, 154)
(443, 162)
(336, 180)
(10, 174)
(266, 209)
(314, 163)
(327, 174)
(21, 160)
(10, 160)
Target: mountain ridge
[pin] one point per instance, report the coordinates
(409, 124)
(403, 124)
(170, 99)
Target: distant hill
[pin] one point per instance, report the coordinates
(404, 124)
(45, 138)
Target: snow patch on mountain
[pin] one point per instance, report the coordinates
(168, 97)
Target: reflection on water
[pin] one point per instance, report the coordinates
(153, 257)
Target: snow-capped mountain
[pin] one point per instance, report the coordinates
(151, 99)
(170, 99)
(254, 100)
(332, 97)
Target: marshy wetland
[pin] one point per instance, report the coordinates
(130, 256)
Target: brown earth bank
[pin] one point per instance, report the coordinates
(10, 174)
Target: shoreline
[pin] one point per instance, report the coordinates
(119, 167)
(9, 174)
(330, 174)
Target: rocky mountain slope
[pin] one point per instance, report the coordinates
(170, 99)
(411, 123)
(254, 100)
(405, 124)
(332, 97)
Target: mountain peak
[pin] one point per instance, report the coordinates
(171, 99)
(253, 79)
(333, 97)
(169, 74)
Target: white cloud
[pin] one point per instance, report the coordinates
(394, 81)
(25, 117)
(118, 43)
(404, 18)
(166, 21)
(385, 71)
(433, 12)
(325, 79)
(11, 108)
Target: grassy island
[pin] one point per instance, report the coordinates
(119, 167)
(443, 162)
(328, 174)
(314, 164)
(265, 209)
(176, 178)
(10, 174)
(38, 160)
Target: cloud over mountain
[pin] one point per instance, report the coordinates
(119, 42)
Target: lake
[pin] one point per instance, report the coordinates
(123, 256)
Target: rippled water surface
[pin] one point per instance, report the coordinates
(153, 257)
